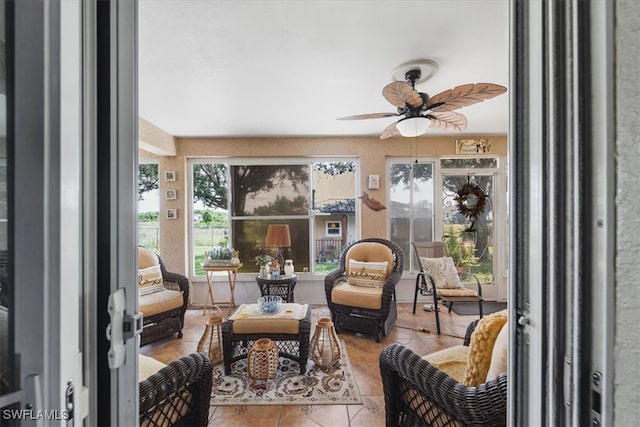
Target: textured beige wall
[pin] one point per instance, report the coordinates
(155, 140)
(370, 151)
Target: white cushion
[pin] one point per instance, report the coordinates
(372, 274)
(499, 355)
(148, 366)
(443, 271)
(150, 280)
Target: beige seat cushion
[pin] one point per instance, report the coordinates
(499, 356)
(269, 326)
(160, 302)
(357, 296)
(457, 292)
(481, 347)
(147, 258)
(452, 361)
(370, 252)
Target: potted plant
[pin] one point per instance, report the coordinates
(263, 261)
(219, 255)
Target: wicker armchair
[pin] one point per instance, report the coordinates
(177, 394)
(365, 318)
(416, 393)
(160, 324)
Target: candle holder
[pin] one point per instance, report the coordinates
(325, 346)
(262, 361)
(211, 341)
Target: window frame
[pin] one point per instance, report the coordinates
(266, 161)
(499, 205)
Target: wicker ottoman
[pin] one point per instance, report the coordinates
(290, 333)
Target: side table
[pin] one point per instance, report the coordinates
(232, 273)
(283, 286)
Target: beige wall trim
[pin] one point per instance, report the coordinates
(155, 140)
(370, 153)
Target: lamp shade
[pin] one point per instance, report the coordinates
(278, 236)
(413, 126)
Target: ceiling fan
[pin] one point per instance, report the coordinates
(421, 111)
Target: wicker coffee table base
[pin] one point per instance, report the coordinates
(291, 346)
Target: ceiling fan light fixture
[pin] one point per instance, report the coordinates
(413, 126)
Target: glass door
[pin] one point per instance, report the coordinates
(469, 239)
(411, 216)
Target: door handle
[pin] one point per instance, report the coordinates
(122, 327)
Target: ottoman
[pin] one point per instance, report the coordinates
(289, 329)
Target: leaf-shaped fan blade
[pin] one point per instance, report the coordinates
(447, 120)
(402, 94)
(368, 116)
(462, 96)
(390, 131)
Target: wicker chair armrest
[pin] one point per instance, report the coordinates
(417, 393)
(393, 279)
(175, 281)
(389, 292)
(334, 276)
(192, 372)
(332, 279)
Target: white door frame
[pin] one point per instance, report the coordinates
(45, 107)
(117, 165)
(562, 223)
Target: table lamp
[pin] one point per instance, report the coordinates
(278, 237)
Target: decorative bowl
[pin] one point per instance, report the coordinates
(271, 304)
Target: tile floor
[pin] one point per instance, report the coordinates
(363, 352)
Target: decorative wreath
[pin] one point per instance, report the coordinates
(464, 193)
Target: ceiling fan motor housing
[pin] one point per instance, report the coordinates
(412, 76)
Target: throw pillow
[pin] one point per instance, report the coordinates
(372, 274)
(499, 355)
(481, 347)
(443, 271)
(150, 280)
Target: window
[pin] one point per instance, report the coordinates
(411, 196)
(268, 194)
(423, 207)
(333, 229)
(233, 203)
(148, 206)
(209, 210)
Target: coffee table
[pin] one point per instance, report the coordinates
(245, 326)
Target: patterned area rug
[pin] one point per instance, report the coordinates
(336, 386)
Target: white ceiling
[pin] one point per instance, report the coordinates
(290, 68)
